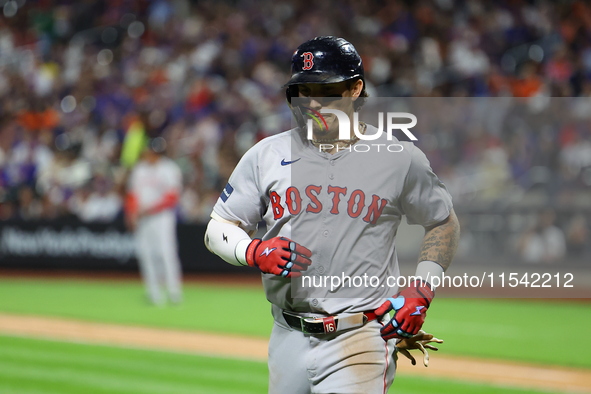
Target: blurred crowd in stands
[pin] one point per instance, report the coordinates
(76, 77)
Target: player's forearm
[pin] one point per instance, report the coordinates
(441, 241)
(169, 200)
(131, 205)
(228, 241)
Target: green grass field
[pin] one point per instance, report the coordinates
(518, 330)
(40, 366)
(122, 302)
(30, 366)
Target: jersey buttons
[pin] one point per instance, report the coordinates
(332, 162)
(325, 233)
(330, 176)
(320, 269)
(315, 302)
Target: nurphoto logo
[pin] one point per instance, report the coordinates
(345, 127)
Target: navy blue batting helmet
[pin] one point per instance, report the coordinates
(325, 59)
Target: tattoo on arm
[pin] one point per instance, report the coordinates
(441, 241)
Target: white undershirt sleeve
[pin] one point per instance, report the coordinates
(228, 241)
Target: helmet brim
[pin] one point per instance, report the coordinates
(319, 77)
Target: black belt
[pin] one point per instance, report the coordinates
(327, 324)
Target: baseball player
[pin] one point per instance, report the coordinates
(332, 212)
(154, 188)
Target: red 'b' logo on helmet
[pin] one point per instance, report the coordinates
(308, 60)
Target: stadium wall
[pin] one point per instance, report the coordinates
(74, 245)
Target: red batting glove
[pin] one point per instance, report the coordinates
(280, 256)
(410, 306)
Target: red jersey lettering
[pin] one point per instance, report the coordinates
(276, 205)
(356, 203)
(312, 192)
(375, 211)
(336, 198)
(293, 200)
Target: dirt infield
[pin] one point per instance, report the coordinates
(467, 369)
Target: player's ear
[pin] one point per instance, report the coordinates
(356, 88)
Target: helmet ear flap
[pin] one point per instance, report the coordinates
(298, 115)
(291, 91)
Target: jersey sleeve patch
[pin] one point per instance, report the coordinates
(226, 192)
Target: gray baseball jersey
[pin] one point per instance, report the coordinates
(345, 207)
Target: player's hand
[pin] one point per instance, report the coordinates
(419, 341)
(280, 256)
(410, 306)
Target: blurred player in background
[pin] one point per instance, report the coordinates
(154, 188)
